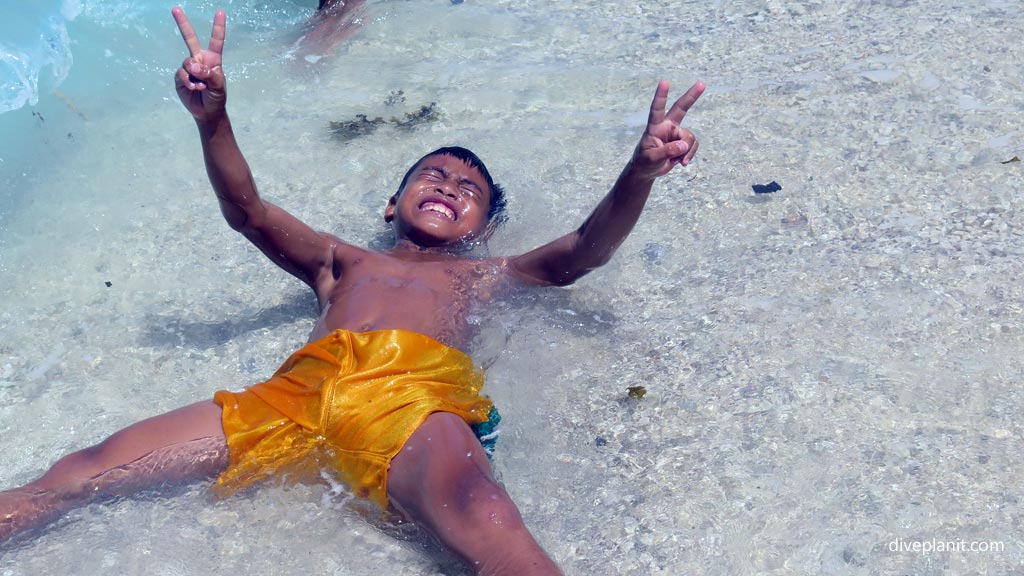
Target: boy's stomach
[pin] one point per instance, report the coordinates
(442, 321)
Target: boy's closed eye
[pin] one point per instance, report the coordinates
(466, 186)
(471, 189)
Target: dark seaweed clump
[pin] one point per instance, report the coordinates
(362, 125)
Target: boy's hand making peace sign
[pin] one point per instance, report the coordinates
(664, 143)
(200, 80)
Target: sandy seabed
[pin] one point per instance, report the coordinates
(832, 370)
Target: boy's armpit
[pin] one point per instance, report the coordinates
(552, 264)
(291, 244)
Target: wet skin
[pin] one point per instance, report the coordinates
(422, 284)
(408, 289)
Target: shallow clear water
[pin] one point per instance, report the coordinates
(829, 368)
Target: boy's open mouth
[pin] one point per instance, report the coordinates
(440, 208)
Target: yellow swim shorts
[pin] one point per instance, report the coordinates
(349, 401)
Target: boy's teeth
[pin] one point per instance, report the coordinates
(440, 209)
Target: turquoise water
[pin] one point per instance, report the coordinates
(36, 49)
(830, 369)
(95, 45)
(67, 65)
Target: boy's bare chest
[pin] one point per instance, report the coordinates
(456, 280)
(377, 292)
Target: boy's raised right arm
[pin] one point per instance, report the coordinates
(291, 244)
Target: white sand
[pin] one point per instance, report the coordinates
(829, 368)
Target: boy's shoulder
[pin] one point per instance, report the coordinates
(474, 277)
(455, 262)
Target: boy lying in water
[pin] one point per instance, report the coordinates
(382, 394)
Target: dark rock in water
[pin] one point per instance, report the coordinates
(600, 441)
(768, 188)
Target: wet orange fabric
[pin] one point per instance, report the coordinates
(349, 401)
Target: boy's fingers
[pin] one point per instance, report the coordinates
(197, 76)
(661, 153)
(676, 148)
(219, 29)
(185, 75)
(658, 104)
(192, 83)
(682, 106)
(679, 133)
(216, 78)
(197, 70)
(187, 32)
(182, 79)
(691, 153)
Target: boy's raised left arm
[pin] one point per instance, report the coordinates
(663, 145)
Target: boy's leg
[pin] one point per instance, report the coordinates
(441, 479)
(179, 446)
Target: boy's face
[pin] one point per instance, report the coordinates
(445, 201)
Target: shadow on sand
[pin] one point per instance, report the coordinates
(171, 331)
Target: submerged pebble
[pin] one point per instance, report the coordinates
(653, 252)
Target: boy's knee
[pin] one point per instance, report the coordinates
(493, 537)
(72, 472)
(78, 468)
(481, 502)
(90, 462)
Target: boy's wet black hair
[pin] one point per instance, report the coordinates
(496, 211)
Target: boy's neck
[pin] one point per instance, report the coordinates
(408, 248)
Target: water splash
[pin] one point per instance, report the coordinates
(35, 46)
